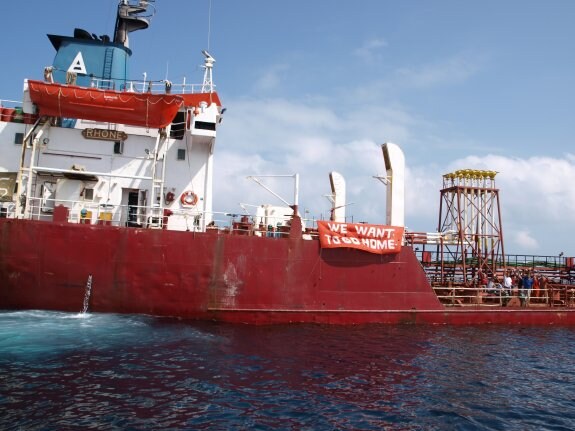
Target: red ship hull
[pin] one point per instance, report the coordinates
(136, 109)
(224, 277)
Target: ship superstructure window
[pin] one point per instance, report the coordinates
(88, 194)
(119, 147)
(204, 125)
(19, 138)
(181, 154)
(178, 126)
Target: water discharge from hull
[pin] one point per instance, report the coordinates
(87, 295)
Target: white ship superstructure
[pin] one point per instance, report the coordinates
(120, 171)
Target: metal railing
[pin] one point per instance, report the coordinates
(554, 295)
(7, 103)
(139, 216)
(11, 112)
(143, 86)
(443, 267)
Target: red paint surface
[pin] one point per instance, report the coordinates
(194, 99)
(230, 278)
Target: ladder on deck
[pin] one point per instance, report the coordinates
(158, 171)
(31, 140)
(107, 72)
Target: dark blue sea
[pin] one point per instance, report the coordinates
(64, 371)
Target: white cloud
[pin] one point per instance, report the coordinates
(276, 127)
(524, 240)
(276, 136)
(450, 70)
(541, 183)
(422, 184)
(369, 51)
(271, 78)
(537, 199)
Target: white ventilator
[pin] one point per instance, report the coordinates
(337, 197)
(395, 182)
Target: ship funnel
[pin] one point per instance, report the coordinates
(337, 197)
(131, 18)
(395, 182)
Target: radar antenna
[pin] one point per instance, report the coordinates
(208, 85)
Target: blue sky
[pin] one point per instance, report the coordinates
(315, 86)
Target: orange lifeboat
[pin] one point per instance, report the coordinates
(136, 109)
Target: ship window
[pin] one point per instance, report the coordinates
(178, 126)
(19, 138)
(119, 147)
(204, 125)
(181, 154)
(88, 194)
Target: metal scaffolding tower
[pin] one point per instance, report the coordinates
(470, 223)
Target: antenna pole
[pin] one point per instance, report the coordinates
(209, 23)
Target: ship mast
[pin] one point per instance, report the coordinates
(208, 84)
(130, 18)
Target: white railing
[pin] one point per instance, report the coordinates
(193, 220)
(6, 103)
(87, 212)
(154, 87)
(11, 111)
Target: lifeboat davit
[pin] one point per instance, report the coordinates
(122, 107)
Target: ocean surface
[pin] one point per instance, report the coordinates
(64, 371)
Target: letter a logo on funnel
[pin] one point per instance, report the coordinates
(78, 65)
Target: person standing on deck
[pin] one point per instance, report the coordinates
(483, 280)
(519, 283)
(490, 285)
(508, 282)
(507, 287)
(527, 286)
(536, 280)
(543, 288)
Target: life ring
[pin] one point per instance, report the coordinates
(189, 198)
(169, 197)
